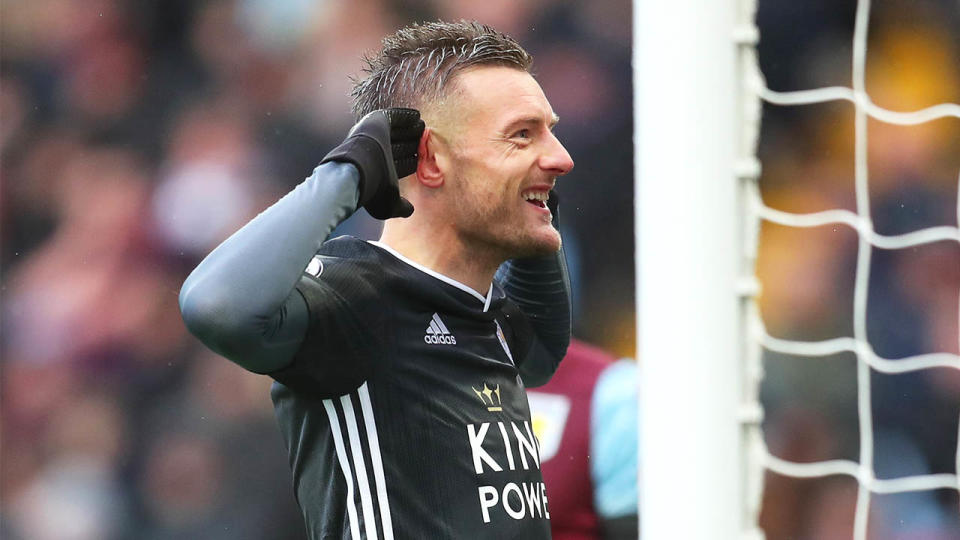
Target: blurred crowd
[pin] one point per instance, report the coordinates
(135, 136)
(807, 275)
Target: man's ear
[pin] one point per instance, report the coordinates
(429, 169)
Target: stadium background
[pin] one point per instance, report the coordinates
(136, 134)
(807, 275)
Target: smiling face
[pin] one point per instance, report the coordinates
(502, 160)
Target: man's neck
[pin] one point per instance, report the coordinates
(442, 251)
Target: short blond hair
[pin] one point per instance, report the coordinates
(416, 64)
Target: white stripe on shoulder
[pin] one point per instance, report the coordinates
(486, 303)
(344, 465)
(503, 342)
(366, 406)
(441, 277)
(366, 501)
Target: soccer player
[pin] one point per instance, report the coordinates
(401, 365)
(586, 421)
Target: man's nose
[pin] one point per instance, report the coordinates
(556, 159)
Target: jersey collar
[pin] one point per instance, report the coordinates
(486, 299)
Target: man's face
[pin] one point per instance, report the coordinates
(503, 161)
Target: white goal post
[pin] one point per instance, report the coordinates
(698, 399)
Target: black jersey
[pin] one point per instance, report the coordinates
(404, 412)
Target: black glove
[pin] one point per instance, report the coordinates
(383, 146)
(553, 204)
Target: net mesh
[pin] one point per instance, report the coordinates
(757, 339)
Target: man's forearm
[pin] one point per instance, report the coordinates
(540, 286)
(240, 301)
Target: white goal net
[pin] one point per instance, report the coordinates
(794, 239)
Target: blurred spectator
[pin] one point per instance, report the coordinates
(586, 419)
(209, 182)
(913, 62)
(77, 493)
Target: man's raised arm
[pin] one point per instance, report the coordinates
(240, 301)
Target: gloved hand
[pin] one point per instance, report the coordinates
(383, 146)
(553, 204)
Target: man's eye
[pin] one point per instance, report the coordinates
(522, 134)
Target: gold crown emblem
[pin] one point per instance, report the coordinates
(487, 396)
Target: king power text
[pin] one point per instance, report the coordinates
(520, 450)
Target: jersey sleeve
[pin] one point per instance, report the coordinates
(241, 301)
(614, 443)
(339, 349)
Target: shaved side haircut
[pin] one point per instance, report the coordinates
(416, 64)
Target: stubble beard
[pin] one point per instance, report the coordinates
(492, 228)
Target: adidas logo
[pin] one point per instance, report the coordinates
(437, 333)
